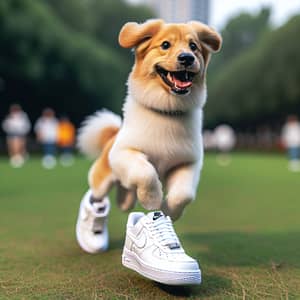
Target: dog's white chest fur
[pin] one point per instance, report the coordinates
(167, 141)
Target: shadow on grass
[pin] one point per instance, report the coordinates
(246, 249)
(211, 285)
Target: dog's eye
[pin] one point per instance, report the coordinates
(165, 45)
(193, 46)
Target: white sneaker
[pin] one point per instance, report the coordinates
(66, 160)
(153, 250)
(49, 162)
(17, 161)
(294, 165)
(91, 227)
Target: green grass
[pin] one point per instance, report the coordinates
(244, 228)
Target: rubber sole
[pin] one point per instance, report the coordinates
(133, 262)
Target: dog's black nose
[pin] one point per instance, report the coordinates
(186, 59)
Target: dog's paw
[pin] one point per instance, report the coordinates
(151, 196)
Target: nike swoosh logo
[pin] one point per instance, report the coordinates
(157, 215)
(140, 241)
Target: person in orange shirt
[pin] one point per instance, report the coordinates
(65, 140)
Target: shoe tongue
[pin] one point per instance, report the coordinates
(158, 216)
(155, 215)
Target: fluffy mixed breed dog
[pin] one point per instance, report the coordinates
(159, 140)
(160, 137)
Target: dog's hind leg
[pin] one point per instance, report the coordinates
(126, 199)
(101, 178)
(91, 227)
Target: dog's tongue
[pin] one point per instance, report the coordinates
(181, 84)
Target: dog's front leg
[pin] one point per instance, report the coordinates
(134, 171)
(182, 185)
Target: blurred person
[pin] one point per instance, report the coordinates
(46, 131)
(225, 140)
(291, 140)
(65, 140)
(16, 126)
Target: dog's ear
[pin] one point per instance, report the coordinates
(210, 39)
(132, 34)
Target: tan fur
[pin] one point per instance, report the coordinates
(148, 37)
(154, 145)
(101, 169)
(106, 135)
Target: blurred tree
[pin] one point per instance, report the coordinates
(52, 55)
(261, 84)
(100, 19)
(239, 34)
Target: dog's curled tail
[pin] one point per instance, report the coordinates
(96, 131)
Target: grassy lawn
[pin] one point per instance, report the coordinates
(244, 228)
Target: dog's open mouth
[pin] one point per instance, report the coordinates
(178, 81)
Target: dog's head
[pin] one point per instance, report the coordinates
(171, 62)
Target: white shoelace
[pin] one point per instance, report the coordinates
(164, 233)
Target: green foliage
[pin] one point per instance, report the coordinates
(100, 19)
(52, 54)
(261, 83)
(239, 34)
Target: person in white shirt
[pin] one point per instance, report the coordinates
(225, 139)
(291, 140)
(16, 126)
(46, 129)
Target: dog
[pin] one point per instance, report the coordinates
(157, 149)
